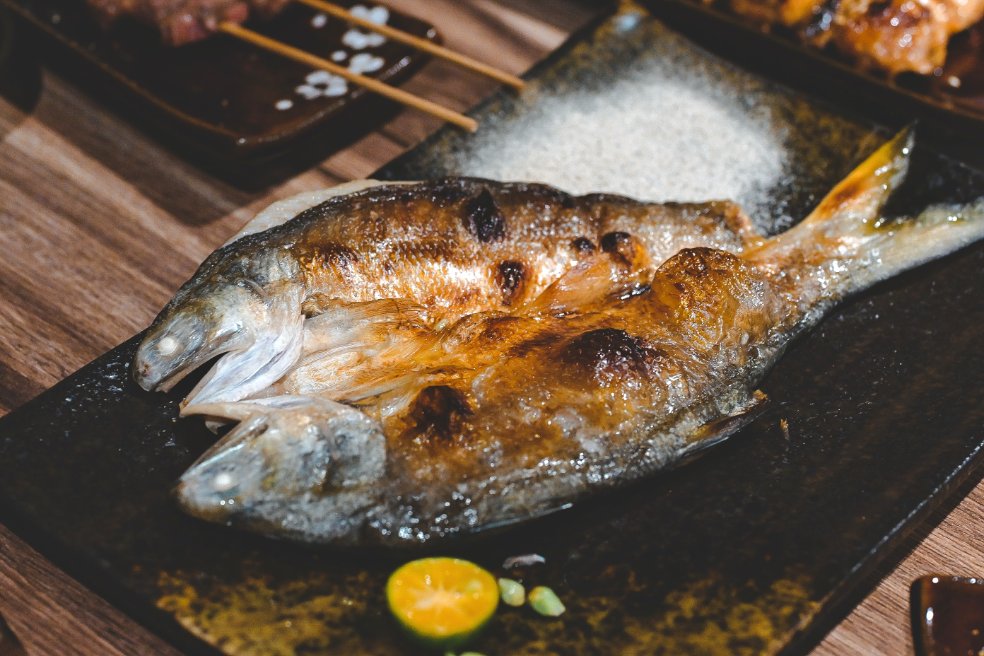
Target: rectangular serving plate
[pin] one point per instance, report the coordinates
(756, 548)
(242, 112)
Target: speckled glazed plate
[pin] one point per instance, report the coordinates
(223, 99)
(756, 548)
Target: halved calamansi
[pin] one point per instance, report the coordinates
(442, 602)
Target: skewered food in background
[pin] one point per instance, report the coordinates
(184, 21)
(894, 35)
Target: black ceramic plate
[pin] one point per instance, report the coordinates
(756, 548)
(228, 101)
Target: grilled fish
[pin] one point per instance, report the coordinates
(416, 361)
(450, 247)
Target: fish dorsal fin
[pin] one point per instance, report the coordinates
(733, 218)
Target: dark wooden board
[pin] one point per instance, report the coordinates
(750, 549)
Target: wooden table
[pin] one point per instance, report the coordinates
(100, 225)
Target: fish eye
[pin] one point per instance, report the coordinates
(167, 345)
(223, 482)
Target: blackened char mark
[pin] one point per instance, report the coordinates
(484, 219)
(511, 277)
(609, 355)
(620, 246)
(583, 245)
(438, 411)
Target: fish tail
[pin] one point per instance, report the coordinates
(857, 200)
(848, 244)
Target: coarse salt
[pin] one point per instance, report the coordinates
(655, 133)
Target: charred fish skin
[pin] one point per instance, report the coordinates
(463, 245)
(453, 247)
(512, 412)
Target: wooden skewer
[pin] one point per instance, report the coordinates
(369, 83)
(417, 42)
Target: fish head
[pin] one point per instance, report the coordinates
(300, 467)
(195, 327)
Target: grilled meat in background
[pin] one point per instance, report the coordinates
(184, 21)
(892, 35)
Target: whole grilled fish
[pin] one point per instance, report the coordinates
(451, 248)
(414, 361)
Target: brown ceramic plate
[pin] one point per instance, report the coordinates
(947, 615)
(226, 100)
(955, 113)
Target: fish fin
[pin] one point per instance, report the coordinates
(848, 210)
(847, 244)
(718, 430)
(351, 349)
(243, 372)
(866, 189)
(316, 306)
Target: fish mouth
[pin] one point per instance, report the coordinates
(212, 485)
(163, 361)
(150, 380)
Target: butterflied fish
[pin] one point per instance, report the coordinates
(413, 361)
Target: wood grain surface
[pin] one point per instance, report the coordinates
(99, 225)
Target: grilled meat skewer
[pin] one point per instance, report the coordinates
(184, 21)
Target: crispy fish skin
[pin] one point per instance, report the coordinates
(458, 246)
(450, 247)
(504, 414)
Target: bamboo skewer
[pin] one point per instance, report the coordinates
(369, 83)
(421, 44)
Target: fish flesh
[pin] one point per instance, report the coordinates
(406, 362)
